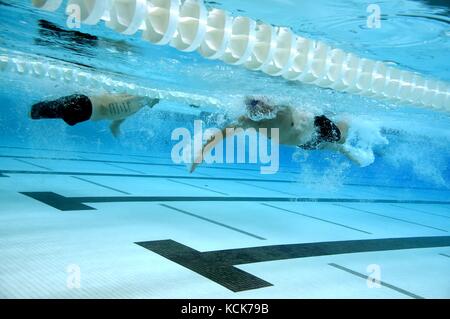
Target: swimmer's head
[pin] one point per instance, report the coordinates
(259, 108)
(251, 102)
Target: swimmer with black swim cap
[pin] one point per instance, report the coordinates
(79, 108)
(296, 127)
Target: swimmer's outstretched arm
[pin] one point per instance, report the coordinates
(254, 106)
(228, 131)
(344, 151)
(206, 147)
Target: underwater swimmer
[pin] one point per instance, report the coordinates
(78, 108)
(296, 128)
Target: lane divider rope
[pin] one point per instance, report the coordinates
(188, 25)
(58, 71)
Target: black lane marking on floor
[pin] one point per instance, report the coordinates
(212, 167)
(57, 150)
(125, 168)
(203, 175)
(390, 217)
(445, 255)
(56, 200)
(193, 177)
(3, 175)
(267, 188)
(316, 218)
(213, 222)
(139, 158)
(32, 164)
(372, 192)
(382, 283)
(101, 185)
(83, 159)
(115, 154)
(128, 155)
(420, 211)
(143, 176)
(218, 265)
(159, 157)
(198, 187)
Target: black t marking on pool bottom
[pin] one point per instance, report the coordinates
(218, 265)
(64, 203)
(57, 201)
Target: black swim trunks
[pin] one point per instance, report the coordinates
(326, 131)
(72, 109)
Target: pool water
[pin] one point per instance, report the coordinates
(87, 215)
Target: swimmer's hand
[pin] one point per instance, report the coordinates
(192, 167)
(359, 157)
(198, 157)
(212, 141)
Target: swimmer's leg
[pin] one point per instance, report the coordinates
(115, 127)
(77, 108)
(73, 109)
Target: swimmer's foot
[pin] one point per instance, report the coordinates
(152, 102)
(72, 109)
